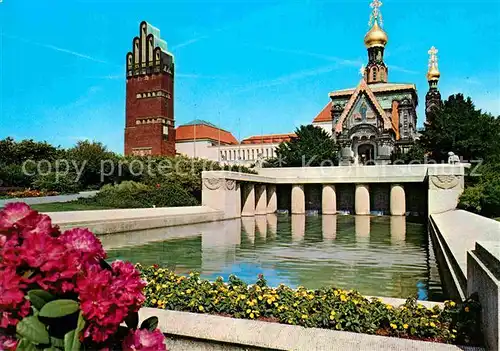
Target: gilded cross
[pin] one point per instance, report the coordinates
(433, 61)
(376, 15)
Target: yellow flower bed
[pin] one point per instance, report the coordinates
(323, 308)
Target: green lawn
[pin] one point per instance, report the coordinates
(67, 206)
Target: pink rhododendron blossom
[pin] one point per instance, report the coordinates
(34, 253)
(42, 251)
(36, 223)
(7, 343)
(85, 242)
(144, 340)
(12, 213)
(108, 296)
(13, 305)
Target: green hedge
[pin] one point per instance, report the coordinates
(131, 194)
(324, 308)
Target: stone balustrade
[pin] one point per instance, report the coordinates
(243, 194)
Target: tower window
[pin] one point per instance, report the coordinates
(374, 74)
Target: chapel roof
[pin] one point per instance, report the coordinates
(325, 115)
(376, 88)
(366, 89)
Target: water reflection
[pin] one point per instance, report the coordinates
(398, 229)
(362, 227)
(329, 227)
(248, 225)
(298, 227)
(383, 256)
(272, 223)
(261, 224)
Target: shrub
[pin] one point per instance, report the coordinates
(472, 198)
(13, 176)
(179, 169)
(58, 293)
(60, 182)
(483, 196)
(131, 194)
(324, 308)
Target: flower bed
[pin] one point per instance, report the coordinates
(30, 193)
(58, 293)
(324, 308)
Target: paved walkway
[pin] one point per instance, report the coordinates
(49, 199)
(461, 230)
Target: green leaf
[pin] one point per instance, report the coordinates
(59, 308)
(56, 342)
(150, 324)
(69, 341)
(72, 338)
(39, 298)
(33, 330)
(25, 345)
(132, 320)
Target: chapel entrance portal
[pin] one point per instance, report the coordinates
(366, 154)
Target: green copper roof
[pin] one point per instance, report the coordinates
(162, 44)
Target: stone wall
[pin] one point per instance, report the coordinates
(467, 248)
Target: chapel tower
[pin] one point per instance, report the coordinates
(433, 96)
(149, 115)
(375, 40)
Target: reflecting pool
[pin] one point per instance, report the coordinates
(379, 256)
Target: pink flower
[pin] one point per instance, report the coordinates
(36, 223)
(13, 305)
(12, 213)
(7, 343)
(34, 252)
(20, 216)
(42, 251)
(61, 278)
(108, 296)
(144, 340)
(85, 242)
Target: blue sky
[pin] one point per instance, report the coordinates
(250, 66)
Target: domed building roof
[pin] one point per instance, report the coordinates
(375, 36)
(433, 73)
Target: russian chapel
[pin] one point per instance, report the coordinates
(378, 117)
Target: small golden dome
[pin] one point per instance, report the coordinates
(375, 36)
(433, 74)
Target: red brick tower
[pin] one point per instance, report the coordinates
(149, 126)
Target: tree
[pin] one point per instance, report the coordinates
(459, 127)
(484, 196)
(92, 160)
(313, 146)
(12, 152)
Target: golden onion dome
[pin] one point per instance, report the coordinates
(375, 36)
(433, 74)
